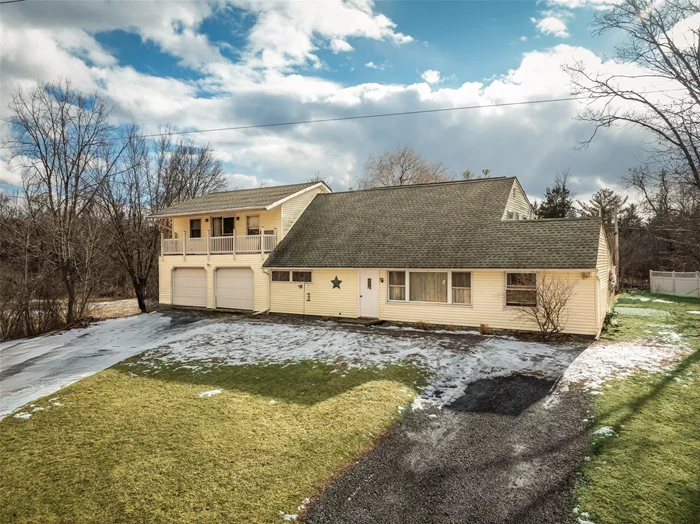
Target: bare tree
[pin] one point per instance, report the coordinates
(549, 311)
(151, 176)
(401, 167)
(60, 139)
(669, 59)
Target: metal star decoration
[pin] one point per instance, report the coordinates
(336, 282)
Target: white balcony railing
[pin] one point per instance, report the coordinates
(239, 244)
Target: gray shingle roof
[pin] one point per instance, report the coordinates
(229, 200)
(447, 225)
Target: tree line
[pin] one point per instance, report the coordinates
(80, 223)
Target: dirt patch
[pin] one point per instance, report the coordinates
(506, 451)
(103, 310)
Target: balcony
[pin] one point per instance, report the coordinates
(235, 245)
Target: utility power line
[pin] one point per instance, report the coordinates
(383, 115)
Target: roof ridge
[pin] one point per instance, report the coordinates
(558, 219)
(426, 184)
(259, 188)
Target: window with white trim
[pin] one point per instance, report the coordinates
(280, 276)
(397, 285)
(427, 286)
(253, 225)
(442, 287)
(301, 276)
(521, 289)
(461, 287)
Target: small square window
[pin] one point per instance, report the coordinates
(521, 289)
(301, 276)
(280, 276)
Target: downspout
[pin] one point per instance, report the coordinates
(269, 296)
(598, 327)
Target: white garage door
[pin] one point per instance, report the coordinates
(190, 287)
(234, 288)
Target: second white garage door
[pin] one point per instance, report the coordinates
(190, 287)
(234, 288)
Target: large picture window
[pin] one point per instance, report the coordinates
(461, 288)
(427, 286)
(397, 285)
(521, 289)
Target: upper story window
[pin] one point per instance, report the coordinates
(301, 276)
(222, 226)
(196, 228)
(253, 225)
(521, 289)
(280, 276)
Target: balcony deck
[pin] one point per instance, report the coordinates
(239, 244)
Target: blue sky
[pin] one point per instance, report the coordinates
(196, 64)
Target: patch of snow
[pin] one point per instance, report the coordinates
(671, 336)
(662, 301)
(604, 361)
(287, 517)
(207, 394)
(429, 331)
(38, 408)
(694, 312)
(273, 402)
(23, 415)
(641, 299)
(452, 363)
(604, 432)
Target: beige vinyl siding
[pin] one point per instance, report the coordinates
(604, 267)
(488, 306)
(293, 208)
(288, 297)
(518, 202)
(253, 261)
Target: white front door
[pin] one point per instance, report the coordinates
(369, 293)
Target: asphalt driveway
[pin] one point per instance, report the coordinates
(504, 452)
(34, 367)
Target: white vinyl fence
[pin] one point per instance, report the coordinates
(675, 282)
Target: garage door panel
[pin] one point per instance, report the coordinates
(234, 288)
(190, 287)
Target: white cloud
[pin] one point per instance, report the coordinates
(551, 25)
(431, 76)
(523, 39)
(372, 65)
(272, 83)
(340, 46)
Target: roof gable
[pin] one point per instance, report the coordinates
(258, 198)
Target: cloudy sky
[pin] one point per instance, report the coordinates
(210, 64)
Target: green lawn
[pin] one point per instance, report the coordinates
(650, 471)
(130, 446)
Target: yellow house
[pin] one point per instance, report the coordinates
(463, 253)
(218, 243)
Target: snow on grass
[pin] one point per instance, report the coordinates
(694, 312)
(662, 301)
(604, 432)
(211, 393)
(603, 361)
(23, 415)
(452, 362)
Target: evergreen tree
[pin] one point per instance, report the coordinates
(558, 200)
(603, 204)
